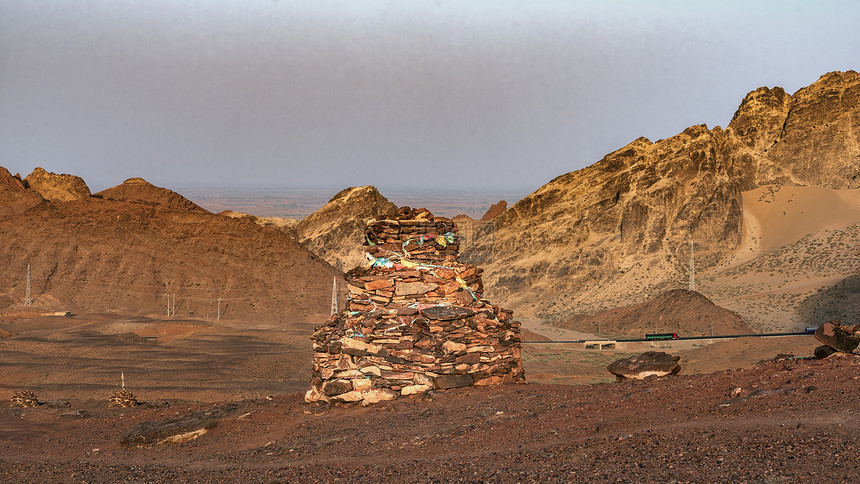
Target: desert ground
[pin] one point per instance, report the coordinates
(737, 412)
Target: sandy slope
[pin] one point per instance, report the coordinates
(799, 243)
(778, 216)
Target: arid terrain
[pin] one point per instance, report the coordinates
(207, 317)
(726, 417)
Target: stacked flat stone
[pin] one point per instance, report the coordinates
(413, 234)
(373, 287)
(122, 398)
(412, 325)
(23, 398)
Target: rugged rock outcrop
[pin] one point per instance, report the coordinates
(57, 188)
(650, 363)
(10, 182)
(841, 338)
(15, 197)
(619, 231)
(335, 231)
(140, 190)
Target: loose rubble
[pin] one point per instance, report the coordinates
(650, 363)
(415, 321)
(23, 398)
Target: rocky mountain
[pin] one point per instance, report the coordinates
(286, 225)
(59, 188)
(620, 231)
(106, 255)
(138, 189)
(335, 231)
(494, 211)
(15, 195)
(681, 311)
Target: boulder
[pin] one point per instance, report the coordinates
(650, 363)
(823, 351)
(839, 337)
(150, 433)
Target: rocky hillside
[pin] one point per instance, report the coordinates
(681, 311)
(335, 231)
(101, 254)
(14, 194)
(619, 231)
(140, 190)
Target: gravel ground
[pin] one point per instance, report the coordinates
(785, 420)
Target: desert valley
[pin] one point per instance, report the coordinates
(205, 314)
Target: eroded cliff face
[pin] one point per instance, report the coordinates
(335, 231)
(619, 231)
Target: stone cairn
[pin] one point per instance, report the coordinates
(23, 398)
(122, 398)
(415, 320)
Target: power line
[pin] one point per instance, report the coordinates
(505, 167)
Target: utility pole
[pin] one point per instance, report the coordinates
(173, 306)
(28, 299)
(219, 309)
(692, 286)
(334, 306)
(168, 304)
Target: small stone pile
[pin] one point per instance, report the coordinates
(415, 320)
(122, 398)
(413, 234)
(23, 398)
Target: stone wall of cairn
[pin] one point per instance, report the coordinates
(415, 321)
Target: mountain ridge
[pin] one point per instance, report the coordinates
(618, 232)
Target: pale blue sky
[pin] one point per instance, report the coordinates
(436, 95)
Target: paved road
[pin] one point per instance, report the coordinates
(763, 335)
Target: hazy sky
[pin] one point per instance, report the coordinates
(431, 95)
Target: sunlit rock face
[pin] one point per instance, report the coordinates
(619, 230)
(58, 188)
(335, 231)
